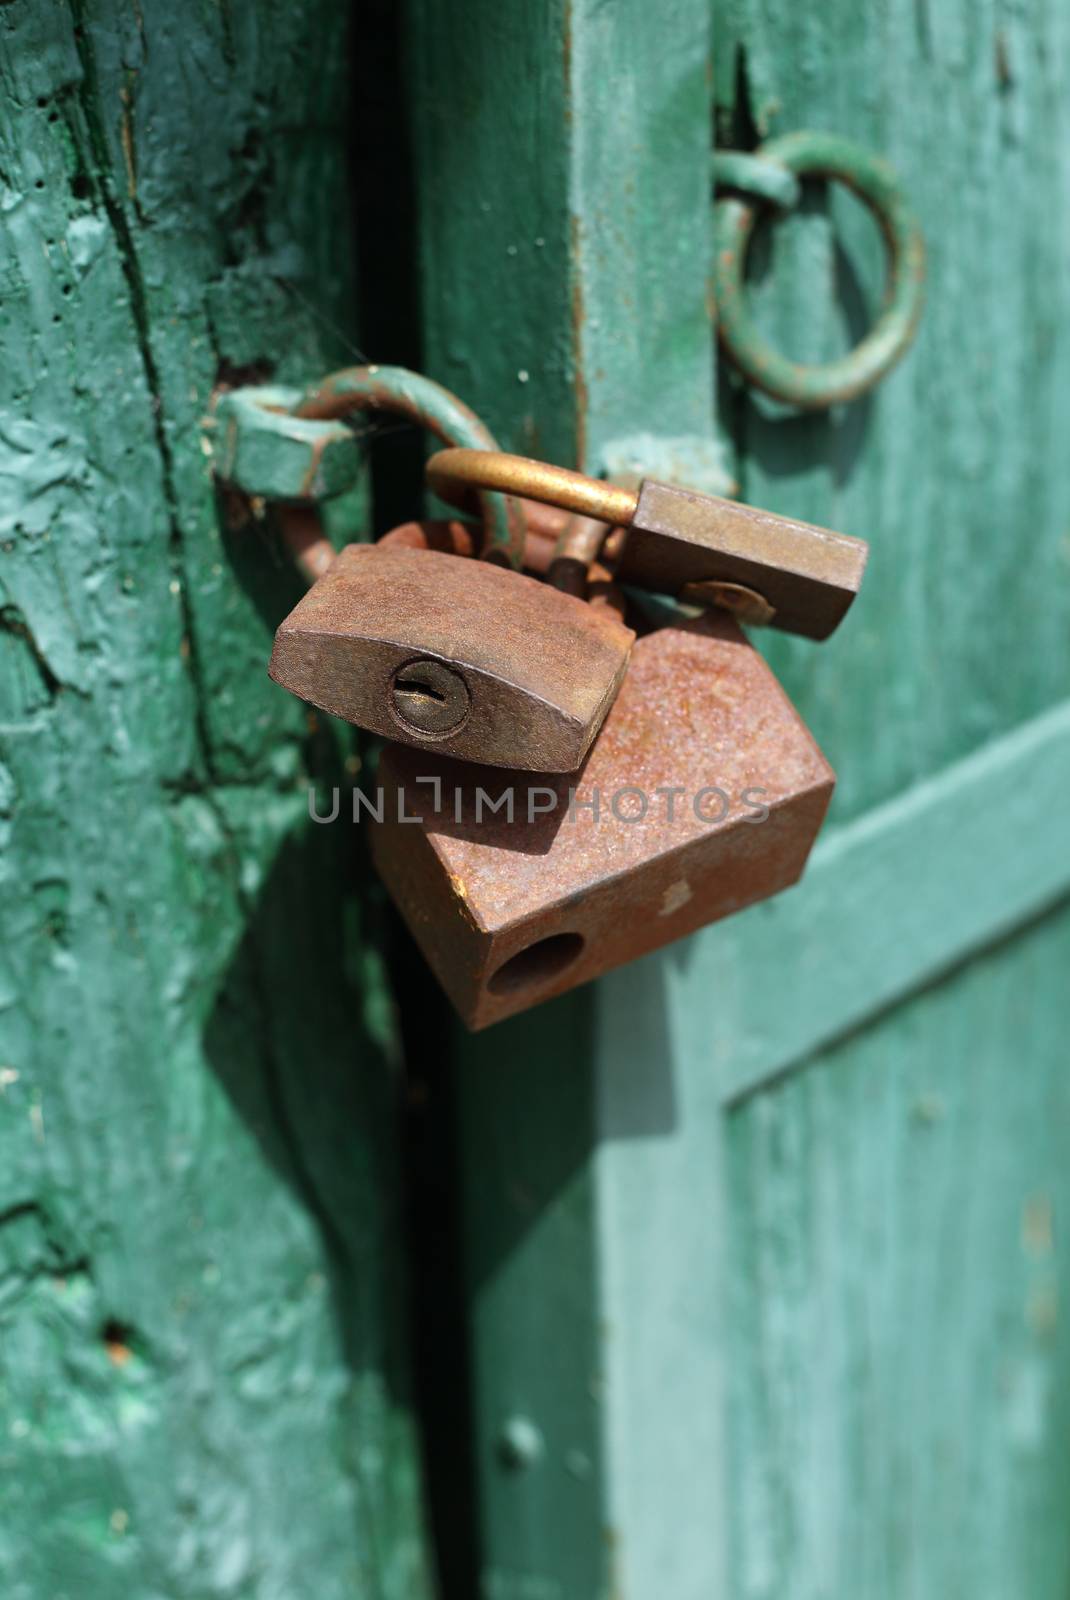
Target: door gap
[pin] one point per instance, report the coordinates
(387, 248)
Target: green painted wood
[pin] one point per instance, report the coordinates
(571, 309)
(579, 244)
(202, 1372)
(898, 1398)
(917, 859)
(899, 1354)
(955, 468)
(808, 1353)
(527, 1129)
(568, 301)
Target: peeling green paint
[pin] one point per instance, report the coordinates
(202, 1363)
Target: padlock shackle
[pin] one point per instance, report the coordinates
(574, 567)
(454, 474)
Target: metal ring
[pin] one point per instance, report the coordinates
(577, 568)
(401, 392)
(812, 154)
(578, 547)
(453, 474)
(756, 175)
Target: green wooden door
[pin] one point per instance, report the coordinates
(761, 1241)
(765, 1235)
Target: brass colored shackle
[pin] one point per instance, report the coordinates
(704, 550)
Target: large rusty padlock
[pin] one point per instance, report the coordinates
(702, 794)
(468, 658)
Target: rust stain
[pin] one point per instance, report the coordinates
(1037, 1229)
(126, 134)
(578, 314)
(1042, 1309)
(301, 530)
(315, 461)
(367, 389)
(545, 524)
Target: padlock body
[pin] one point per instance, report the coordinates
(510, 913)
(461, 657)
(807, 575)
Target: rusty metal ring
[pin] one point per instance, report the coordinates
(403, 393)
(577, 550)
(579, 544)
(825, 155)
(576, 567)
(454, 474)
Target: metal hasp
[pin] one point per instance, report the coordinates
(293, 447)
(261, 447)
(659, 835)
(814, 154)
(466, 657)
(766, 568)
(395, 391)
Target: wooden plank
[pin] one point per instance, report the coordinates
(891, 902)
(202, 1369)
(898, 1416)
(662, 1242)
(642, 241)
(585, 278)
(569, 305)
(900, 1411)
(531, 1272)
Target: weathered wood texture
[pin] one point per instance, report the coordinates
(898, 1209)
(900, 1351)
(917, 857)
(567, 299)
(955, 467)
(868, 1254)
(202, 1387)
(562, 155)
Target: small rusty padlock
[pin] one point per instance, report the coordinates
(461, 656)
(702, 794)
(466, 657)
(764, 568)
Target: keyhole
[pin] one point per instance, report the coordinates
(430, 698)
(414, 690)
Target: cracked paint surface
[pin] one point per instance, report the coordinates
(202, 1386)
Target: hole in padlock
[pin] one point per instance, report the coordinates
(539, 963)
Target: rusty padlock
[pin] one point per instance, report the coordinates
(461, 656)
(702, 794)
(764, 568)
(469, 658)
